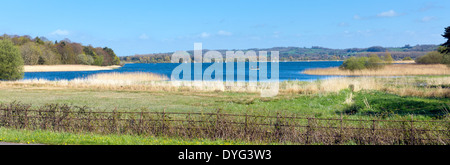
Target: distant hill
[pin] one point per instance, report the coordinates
(303, 53)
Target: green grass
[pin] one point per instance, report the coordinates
(62, 138)
(376, 102)
(319, 105)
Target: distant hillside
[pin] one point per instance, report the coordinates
(302, 53)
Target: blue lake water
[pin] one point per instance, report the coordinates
(287, 71)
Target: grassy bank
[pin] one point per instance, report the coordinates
(388, 70)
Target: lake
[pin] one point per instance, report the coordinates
(287, 70)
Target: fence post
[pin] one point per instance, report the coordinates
(246, 124)
(412, 136)
(89, 121)
(163, 121)
(216, 134)
(308, 130)
(373, 131)
(114, 122)
(140, 122)
(341, 129)
(277, 127)
(26, 117)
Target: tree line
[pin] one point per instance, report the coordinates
(304, 54)
(16, 51)
(41, 51)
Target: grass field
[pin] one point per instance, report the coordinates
(321, 101)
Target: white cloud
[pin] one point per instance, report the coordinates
(427, 19)
(143, 37)
(390, 13)
(357, 17)
(276, 34)
(343, 24)
(224, 33)
(205, 35)
(60, 32)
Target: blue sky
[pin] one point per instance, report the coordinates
(141, 26)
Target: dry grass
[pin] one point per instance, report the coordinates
(404, 86)
(62, 68)
(133, 76)
(388, 70)
(405, 62)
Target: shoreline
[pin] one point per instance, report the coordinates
(67, 68)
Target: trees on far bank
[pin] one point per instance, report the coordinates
(40, 51)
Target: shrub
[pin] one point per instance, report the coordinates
(431, 58)
(11, 62)
(360, 63)
(388, 58)
(407, 59)
(374, 62)
(353, 64)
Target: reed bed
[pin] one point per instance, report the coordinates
(282, 128)
(388, 70)
(404, 86)
(63, 68)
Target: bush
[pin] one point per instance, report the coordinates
(11, 62)
(360, 63)
(431, 58)
(374, 62)
(407, 59)
(353, 64)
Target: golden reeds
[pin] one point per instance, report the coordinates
(388, 70)
(404, 86)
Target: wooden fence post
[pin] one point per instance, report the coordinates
(216, 134)
(114, 122)
(412, 136)
(141, 125)
(246, 125)
(26, 117)
(373, 131)
(308, 130)
(341, 129)
(163, 121)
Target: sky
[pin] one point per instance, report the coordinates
(132, 27)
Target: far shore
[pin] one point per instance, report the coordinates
(388, 70)
(65, 68)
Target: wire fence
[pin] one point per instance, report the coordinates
(280, 128)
